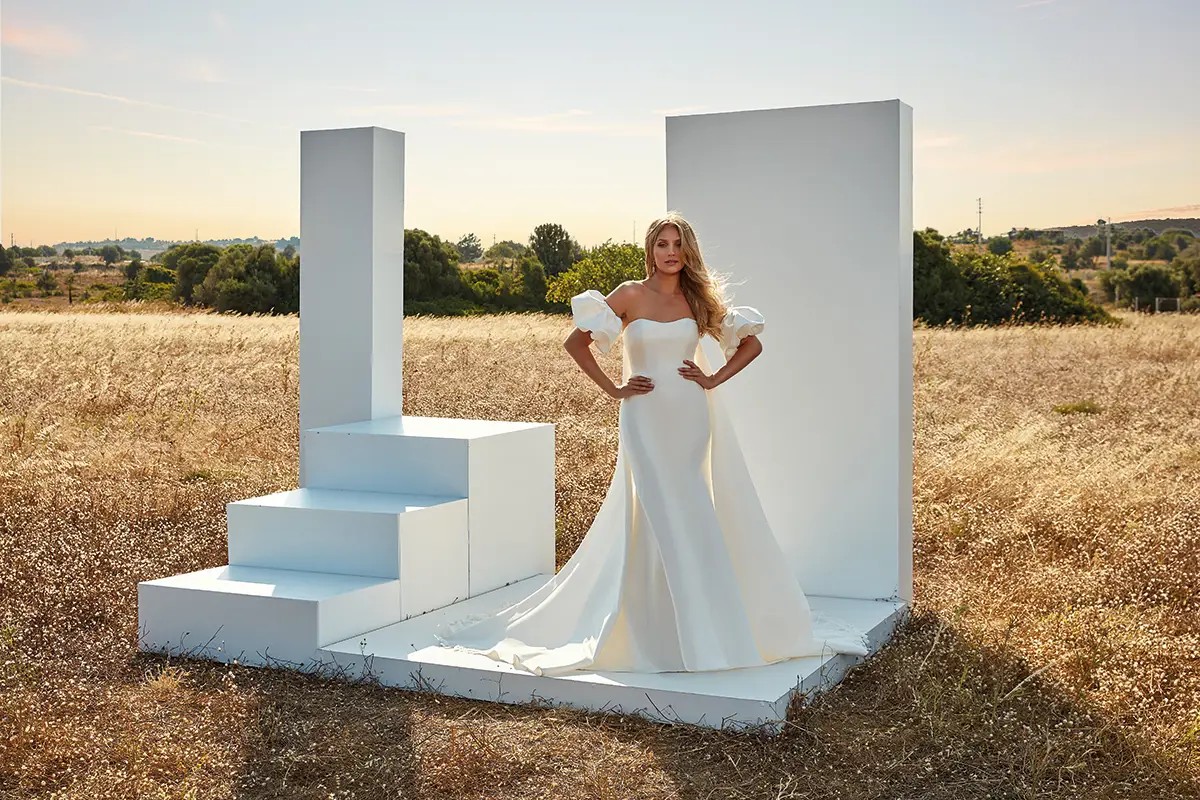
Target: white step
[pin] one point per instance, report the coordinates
(260, 616)
(407, 655)
(504, 469)
(419, 539)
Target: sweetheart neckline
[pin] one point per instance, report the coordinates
(659, 321)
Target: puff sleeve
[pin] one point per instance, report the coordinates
(592, 313)
(739, 322)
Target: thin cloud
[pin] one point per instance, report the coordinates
(414, 110)
(1041, 158)
(219, 20)
(342, 87)
(147, 134)
(41, 41)
(681, 110)
(571, 121)
(46, 87)
(201, 70)
(1162, 213)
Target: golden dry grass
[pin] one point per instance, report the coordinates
(1052, 649)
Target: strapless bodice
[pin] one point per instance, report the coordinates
(657, 349)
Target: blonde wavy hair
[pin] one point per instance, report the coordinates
(703, 288)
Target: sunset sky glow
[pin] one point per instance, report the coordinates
(161, 119)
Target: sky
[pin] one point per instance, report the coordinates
(145, 118)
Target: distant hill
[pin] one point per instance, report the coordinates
(1157, 225)
(149, 246)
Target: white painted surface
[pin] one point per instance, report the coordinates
(811, 209)
(258, 616)
(421, 539)
(505, 469)
(352, 274)
(407, 655)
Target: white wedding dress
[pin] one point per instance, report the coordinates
(680, 570)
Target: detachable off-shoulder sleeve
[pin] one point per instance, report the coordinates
(593, 314)
(739, 322)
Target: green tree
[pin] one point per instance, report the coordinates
(46, 251)
(469, 248)
(46, 283)
(1179, 238)
(288, 300)
(191, 263)
(110, 253)
(68, 253)
(5, 261)
(1092, 248)
(554, 248)
(1070, 257)
(604, 268)
(1187, 265)
(939, 291)
(1142, 283)
(505, 249)
(999, 245)
(533, 282)
(245, 279)
(430, 268)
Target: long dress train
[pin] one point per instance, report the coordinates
(679, 571)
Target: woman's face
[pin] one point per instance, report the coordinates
(668, 250)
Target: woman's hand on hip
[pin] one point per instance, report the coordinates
(693, 373)
(638, 384)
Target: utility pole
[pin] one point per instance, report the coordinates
(979, 223)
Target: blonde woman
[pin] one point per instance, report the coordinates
(680, 570)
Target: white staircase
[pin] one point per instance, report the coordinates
(397, 517)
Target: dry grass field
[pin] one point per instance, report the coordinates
(1053, 648)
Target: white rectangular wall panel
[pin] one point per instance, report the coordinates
(352, 276)
(810, 209)
(505, 469)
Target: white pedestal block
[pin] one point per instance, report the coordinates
(260, 616)
(407, 655)
(504, 469)
(419, 539)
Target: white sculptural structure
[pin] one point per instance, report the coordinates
(402, 523)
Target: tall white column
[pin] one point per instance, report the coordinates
(811, 208)
(351, 275)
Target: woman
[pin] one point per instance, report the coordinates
(679, 570)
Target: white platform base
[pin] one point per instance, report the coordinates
(260, 616)
(406, 655)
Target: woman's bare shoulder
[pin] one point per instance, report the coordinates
(624, 295)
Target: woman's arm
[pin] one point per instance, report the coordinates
(578, 345)
(748, 350)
